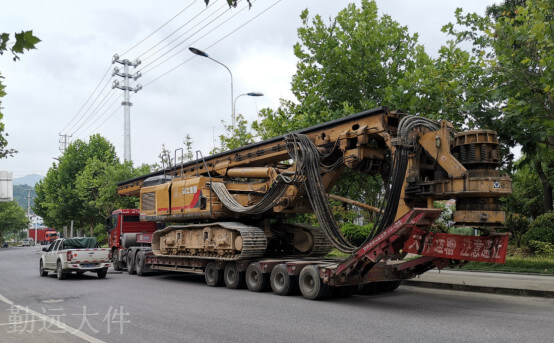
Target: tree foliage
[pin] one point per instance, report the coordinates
(81, 187)
(12, 218)
(25, 40)
(511, 65)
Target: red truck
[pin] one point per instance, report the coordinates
(125, 230)
(43, 236)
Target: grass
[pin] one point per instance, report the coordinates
(514, 264)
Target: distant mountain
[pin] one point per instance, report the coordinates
(29, 180)
(20, 193)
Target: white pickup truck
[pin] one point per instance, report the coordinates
(79, 254)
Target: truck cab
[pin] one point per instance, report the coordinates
(125, 223)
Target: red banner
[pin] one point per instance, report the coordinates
(456, 247)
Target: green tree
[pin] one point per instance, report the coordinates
(512, 56)
(58, 200)
(526, 198)
(25, 40)
(96, 185)
(12, 218)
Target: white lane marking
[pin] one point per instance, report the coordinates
(18, 323)
(64, 327)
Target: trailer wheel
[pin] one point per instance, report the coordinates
(256, 281)
(389, 286)
(139, 263)
(281, 282)
(130, 262)
(344, 291)
(232, 277)
(369, 288)
(59, 271)
(115, 260)
(213, 276)
(311, 285)
(43, 272)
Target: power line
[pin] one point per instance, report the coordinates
(98, 85)
(103, 113)
(158, 29)
(216, 42)
(183, 41)
(95, 109)
(175, 31)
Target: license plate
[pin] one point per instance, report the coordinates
(89, 265)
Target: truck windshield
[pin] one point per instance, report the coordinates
(131, 219)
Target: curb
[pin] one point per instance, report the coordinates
(480, 289)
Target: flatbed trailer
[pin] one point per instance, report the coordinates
(373, 267)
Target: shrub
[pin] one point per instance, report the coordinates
(101, 234)
(543, 249)
(356, 234)
(541, 229)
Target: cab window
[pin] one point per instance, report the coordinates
(51, 247)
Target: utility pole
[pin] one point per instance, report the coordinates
(126, 101)
(29, 213)
(64, 141)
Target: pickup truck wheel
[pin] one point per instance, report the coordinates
(43, 272)
(130, 262)
(59, 271)
(213, 276)
(102, 273)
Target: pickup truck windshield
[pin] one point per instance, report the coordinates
(80, 243)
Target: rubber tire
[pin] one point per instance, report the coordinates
(344, 291)
(389, 286)
(131, 263)
(102, 273)
(139, 263)
(212, 275)
(43, 272)
(115, 261)
(311, 285)
(232, 277)
(369, 288)
(281, 282)
(59, 271)
(256, 280)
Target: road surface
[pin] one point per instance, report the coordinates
(181, 308)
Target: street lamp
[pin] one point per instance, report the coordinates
(204, 54)
(248, 94)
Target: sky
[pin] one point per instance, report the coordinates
(60, 87)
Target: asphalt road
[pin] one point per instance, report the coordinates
(181, 308)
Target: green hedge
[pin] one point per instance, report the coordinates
(356, 234)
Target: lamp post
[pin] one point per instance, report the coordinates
(204, 54)
(247, 94)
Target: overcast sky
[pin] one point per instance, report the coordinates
(49, 86)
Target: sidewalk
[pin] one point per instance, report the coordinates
(497, 283)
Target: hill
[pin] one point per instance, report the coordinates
(27, 180)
